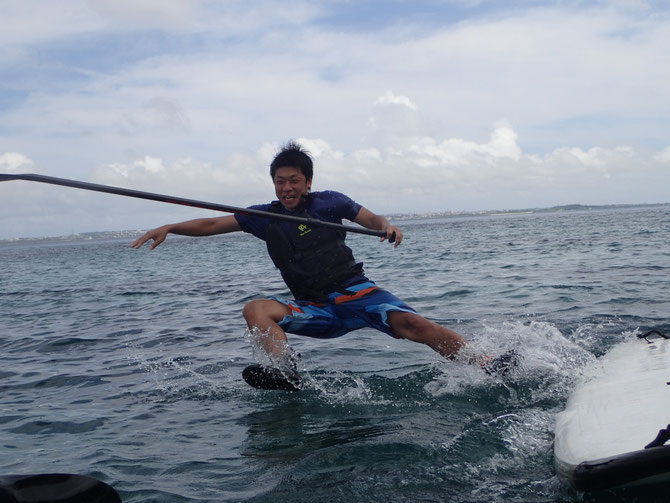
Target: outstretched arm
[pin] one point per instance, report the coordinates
(371, 220)
(198, 227)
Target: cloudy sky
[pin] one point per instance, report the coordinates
(406, 106)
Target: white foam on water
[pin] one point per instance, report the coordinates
(171, 374)
(338, 388)
(541, 345)
(523, 416)
(543, 352)
(528, 441)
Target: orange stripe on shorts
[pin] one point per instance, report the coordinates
(348, 298)
(294, 309)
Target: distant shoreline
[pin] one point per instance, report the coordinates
(131, 234)
(519, 211)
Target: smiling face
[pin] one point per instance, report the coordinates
(290, 186)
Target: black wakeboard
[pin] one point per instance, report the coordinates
(270, 378)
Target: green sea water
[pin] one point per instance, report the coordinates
(126, 364)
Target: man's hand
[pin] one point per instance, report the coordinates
(393, 234)
(370, 220)
(158, 235)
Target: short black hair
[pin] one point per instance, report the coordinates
(293, 155)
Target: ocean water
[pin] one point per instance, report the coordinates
(126, 364)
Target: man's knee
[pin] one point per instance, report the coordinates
(263, 309)
(251, 309)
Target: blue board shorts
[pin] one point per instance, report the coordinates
(362, 305)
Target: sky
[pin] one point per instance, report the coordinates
(406, 106)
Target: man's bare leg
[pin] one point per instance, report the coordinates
(416, 328)
(448, 343)
(265, 314)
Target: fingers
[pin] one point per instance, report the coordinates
(398, 236)
(139, 242)
(393, 234)
(157, 237)
(157, 240)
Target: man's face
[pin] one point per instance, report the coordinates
(290, 186)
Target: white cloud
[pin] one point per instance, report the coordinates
(367, 155)
(427, 151)
(239, 179)
(320, 148)
(428, 173)
(391, 99)
(31, 21)
(496, 110)
(421, 174)
(146, 166)
(503, 143)
(663, 155)
(394, 117)
(569, 164)
(158, 113)
(174, 14)
(15, 162)
(465, 76)
(626, 4)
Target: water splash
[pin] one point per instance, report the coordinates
(546, 356)
(337, 388)
(172, 375)
(287, 359)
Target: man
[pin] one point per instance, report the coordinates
(332, 295)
